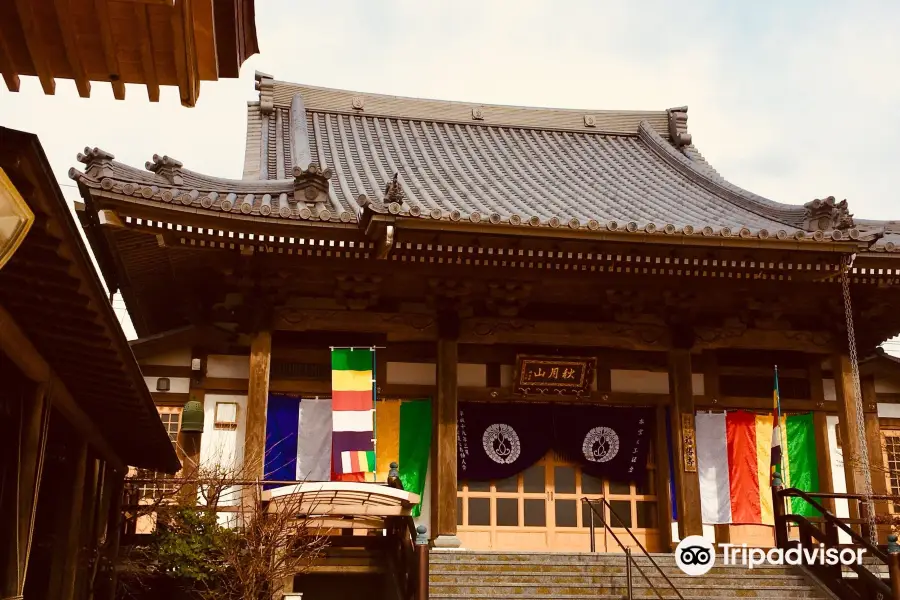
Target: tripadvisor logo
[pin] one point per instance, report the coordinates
(695, 555)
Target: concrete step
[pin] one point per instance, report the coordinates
(605, 567)
(591, 591)
(541, 575)
(743, 581)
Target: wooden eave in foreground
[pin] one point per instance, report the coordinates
(150, 42)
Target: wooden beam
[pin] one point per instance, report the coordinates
(36, 43)
(820, 422)
(66, 22)
(146, 46)
(687, 481)
(564, 333)
(814, 342)
(443, 479)
(169, 3)
(257, 398)
(104, 25)
(396, 326)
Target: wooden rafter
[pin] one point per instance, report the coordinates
(35, 42)
(6, 65)
(185, 53)
(70, 42)
(101, 8)
(146, 42)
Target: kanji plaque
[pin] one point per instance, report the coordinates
(554, 375)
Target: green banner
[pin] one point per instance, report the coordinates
(415, 446)
(803, 465)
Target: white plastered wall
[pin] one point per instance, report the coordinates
(223, 447)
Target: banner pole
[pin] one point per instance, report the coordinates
(374, 421)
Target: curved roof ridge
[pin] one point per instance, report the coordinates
(703, 174)
(275, 93)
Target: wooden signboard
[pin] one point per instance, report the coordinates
(689, 443)
(554, 374)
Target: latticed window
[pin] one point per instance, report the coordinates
(171, 419)
(891, 441)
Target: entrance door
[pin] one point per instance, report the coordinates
(541, 509)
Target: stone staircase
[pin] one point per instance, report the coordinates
(499, 576)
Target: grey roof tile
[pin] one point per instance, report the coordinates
(514, 165)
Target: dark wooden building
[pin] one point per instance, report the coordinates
(459, 236)
(74, 409)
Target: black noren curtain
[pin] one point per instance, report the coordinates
(499, 440)
(606, 441)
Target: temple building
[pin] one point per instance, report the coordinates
(578, 294)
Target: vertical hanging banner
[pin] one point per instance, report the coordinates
(353, 405)
(298, 439)
(404, 436)
(734, 452)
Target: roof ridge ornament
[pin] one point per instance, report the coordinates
(393, 192)
(97, 162)
(166, 166)
(311, 184)
(265, 84)
(678, 131)
(827, 213)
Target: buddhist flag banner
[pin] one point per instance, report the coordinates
(801, 464)
(404, 437)
(352, 398)
(734, 465)
(298, 439)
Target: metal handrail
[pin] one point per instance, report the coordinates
(833, 578)
(629, 559)
(830, 518)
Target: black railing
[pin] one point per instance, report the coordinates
(629, 558)
(866, 585)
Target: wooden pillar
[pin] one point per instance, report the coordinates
(68, 534)
(257, 398)
(874, 442)
(687, 481)
(30, 431)
(710, 362)
(443, 504)
(105, 589)
(848, 424)
(663, 492)
(820, 422)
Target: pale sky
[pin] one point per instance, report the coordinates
(791, 100)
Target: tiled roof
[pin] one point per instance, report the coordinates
(629, 171)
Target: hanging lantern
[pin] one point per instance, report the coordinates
(16, 218)
(192, 417)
